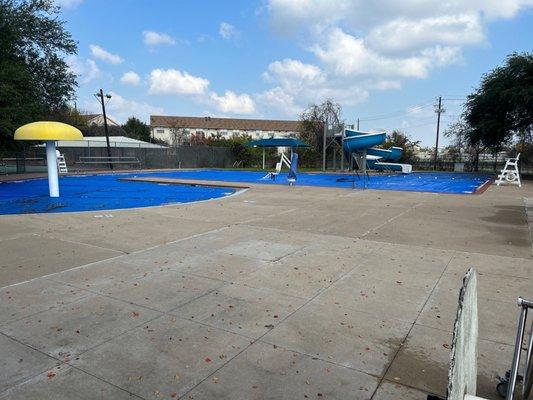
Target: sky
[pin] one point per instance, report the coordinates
(384, 61)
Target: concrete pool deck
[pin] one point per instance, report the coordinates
(279, 292)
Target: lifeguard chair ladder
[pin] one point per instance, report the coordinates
(510, 173)
(62, 164)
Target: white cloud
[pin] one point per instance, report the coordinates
(362, 45)
(231, 102)
(104, 55)
(130, 78)
(227, 31)
(151, 38)
(289, 16)
(68, 4)
(173, 81)
(122, 108)
(403, 34)
(86, 70)
(278, 100)
(298, 84)
(289, 72)
(347, 55)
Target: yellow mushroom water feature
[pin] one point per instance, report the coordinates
(49, 132)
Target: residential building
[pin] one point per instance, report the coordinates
(98, 120)
(178, 129)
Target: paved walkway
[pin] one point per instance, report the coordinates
(277, 293)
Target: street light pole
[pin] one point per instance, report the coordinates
(439, 110)
(100, 96)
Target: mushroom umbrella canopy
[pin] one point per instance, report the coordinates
(49, 132)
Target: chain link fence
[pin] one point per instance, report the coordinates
(33, 159)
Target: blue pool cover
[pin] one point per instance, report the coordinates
(97, 192)
(438, 182)
(108, 192)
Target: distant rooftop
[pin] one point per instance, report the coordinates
(114, 141)
(98, 120)
(224, 123)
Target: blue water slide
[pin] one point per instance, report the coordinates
(391, 154)
(356, 141)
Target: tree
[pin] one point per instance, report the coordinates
(312, 122)
(35, 81)
(464, 139)
(399, 139)
(502, 106)
(137, 129)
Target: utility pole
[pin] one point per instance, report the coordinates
(100, 96)
(439, 110)
(357, 123)
(324, 146)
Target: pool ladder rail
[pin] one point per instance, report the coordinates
(507, 386)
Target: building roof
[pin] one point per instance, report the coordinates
(278, 142)
(114, 141)
(224, 123)
(98, 119)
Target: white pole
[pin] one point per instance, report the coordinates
(51, 163)
(263, 157)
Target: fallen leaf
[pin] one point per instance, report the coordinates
(207, 360)
(50, 375)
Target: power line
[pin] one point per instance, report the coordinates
(395, 114)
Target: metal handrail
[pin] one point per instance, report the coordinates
(528, 369)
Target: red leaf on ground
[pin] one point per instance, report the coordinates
(207, 360)
(50, 375)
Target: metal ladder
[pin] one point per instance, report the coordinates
(62, 164)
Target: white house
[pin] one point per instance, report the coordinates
(172, 129)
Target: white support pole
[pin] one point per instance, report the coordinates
(51, 163)
(263, 158)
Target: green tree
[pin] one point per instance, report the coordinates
(35, 81)
(137, 129)
(502, 107)
(400, 139)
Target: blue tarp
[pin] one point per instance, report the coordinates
(107, 192)
(97, 192)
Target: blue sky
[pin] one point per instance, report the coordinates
(384, 61)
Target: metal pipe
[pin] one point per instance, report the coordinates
(517, 350)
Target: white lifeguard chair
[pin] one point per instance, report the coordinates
(510, 173)
(283, 160)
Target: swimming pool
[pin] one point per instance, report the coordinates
(98, 192)
(434, 182)
(110, 191)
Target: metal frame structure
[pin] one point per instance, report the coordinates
(330, 140)
(507, 385)
(510, 172)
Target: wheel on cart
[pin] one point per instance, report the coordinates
(510, 176)
(502, 388)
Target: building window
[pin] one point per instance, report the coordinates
(159, 131)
